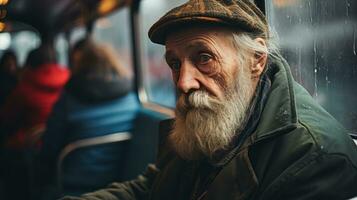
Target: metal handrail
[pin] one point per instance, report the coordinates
(106, 139)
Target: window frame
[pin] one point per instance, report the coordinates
(137, 52)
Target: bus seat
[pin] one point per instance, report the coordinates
(88, 164)
(143, 147)
(132, 158)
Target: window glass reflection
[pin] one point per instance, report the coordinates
(114, 30)
(318, 38)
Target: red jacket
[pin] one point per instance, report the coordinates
(31, 102)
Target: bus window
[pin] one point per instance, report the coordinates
(61, 46)
(318, 38)
(114, 30)
(109, 31)
(76, 34)
(5, 41)
(21, 42)
(157, 79)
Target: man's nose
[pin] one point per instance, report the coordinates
(187, 79)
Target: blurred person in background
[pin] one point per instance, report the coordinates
(23, 116)
(8, 78)
(98, 100)
(31, 102)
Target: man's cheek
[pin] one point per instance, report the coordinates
(222, 80)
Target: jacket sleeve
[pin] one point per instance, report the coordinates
(329, 176)
(137, 189)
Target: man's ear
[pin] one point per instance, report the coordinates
(259, 60)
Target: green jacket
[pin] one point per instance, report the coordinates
(298, 151)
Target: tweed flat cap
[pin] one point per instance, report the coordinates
(240, 14)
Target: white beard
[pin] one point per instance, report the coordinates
(204, 124)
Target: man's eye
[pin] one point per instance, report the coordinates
(175, 66)
(204, 58)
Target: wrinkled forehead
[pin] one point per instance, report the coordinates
(212, 35)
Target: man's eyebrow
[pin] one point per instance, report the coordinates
(193, 46)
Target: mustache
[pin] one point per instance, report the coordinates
(199, 99)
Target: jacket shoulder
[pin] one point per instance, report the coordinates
(318, 154)
(326, 132)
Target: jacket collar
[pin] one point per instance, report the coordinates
(279, 112)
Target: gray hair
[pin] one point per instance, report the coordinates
(246, 44)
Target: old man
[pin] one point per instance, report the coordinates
(244, 129)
